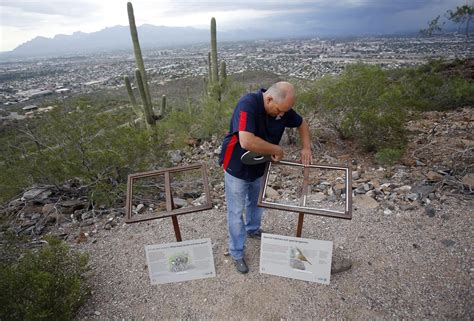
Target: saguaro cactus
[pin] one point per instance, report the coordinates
(214, 65)
(141, 78)
(216, 85)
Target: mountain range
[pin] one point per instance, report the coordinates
(118, 37)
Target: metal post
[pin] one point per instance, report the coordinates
(304, 194)
(299, 229)
(170, 206)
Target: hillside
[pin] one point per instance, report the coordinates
(410, 244)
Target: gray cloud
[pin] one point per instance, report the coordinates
(51, 8)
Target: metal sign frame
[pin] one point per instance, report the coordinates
(170, 207)
(302, 209)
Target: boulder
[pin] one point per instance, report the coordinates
(364, 201)
(468, 181)
(36, 194)
(434, 177)
(271, 193)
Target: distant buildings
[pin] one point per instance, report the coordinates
(27, 81)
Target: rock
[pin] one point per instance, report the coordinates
(423, 190)
(468, 181)
(49, 209)
(412, 196)
(386, 187)
(404, 188)
(407, 207)
(355, 175)
(371, 193)
(316, 197)
(387, 211)
(191, 194)
(448, 243)
(360, 190)
(434, 177)
(86, 215)
(375, 183)
(365, 201)
(36, 194)
(179, 202)
(430, 211)
(467, 142)
(68, 207)
(88, 222)
(271, 193)
(140, 208)
(175, 156)
(420, 163)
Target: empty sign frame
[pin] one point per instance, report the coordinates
(167, 192)
(314, 189)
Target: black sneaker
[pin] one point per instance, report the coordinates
(256, 235)
(241, 266)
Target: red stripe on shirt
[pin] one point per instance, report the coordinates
(243, 120)
(229, 150)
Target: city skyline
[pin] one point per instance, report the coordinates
(22, 21)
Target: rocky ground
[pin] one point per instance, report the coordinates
(409, 239)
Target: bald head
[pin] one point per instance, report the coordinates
(279, 98)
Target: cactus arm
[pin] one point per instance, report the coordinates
(223, 73)
(163, 105)
(146, 107)
(131, 96)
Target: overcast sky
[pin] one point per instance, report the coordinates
(22, 20)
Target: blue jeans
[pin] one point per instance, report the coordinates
(239, 195)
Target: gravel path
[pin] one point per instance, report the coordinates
(406, 265)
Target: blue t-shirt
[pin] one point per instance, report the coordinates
(250, 116)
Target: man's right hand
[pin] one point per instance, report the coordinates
(278, 156)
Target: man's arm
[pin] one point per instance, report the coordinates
(306, 154)
(255, 144)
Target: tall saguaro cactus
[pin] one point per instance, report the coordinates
(216, 85)
(214, 65)
(141, 78)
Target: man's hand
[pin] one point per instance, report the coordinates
(279, 156)
(306, 156)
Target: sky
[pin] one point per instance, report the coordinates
(23, 20)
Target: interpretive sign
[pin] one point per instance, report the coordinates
(296, 258)
(180, 261)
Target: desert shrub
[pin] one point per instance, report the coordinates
(77, 140)
(436, 85)
(361, 104)
(49, 284)
(388, 156)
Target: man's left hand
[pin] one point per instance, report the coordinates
(306, 156)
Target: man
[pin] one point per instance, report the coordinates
(257, 125)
